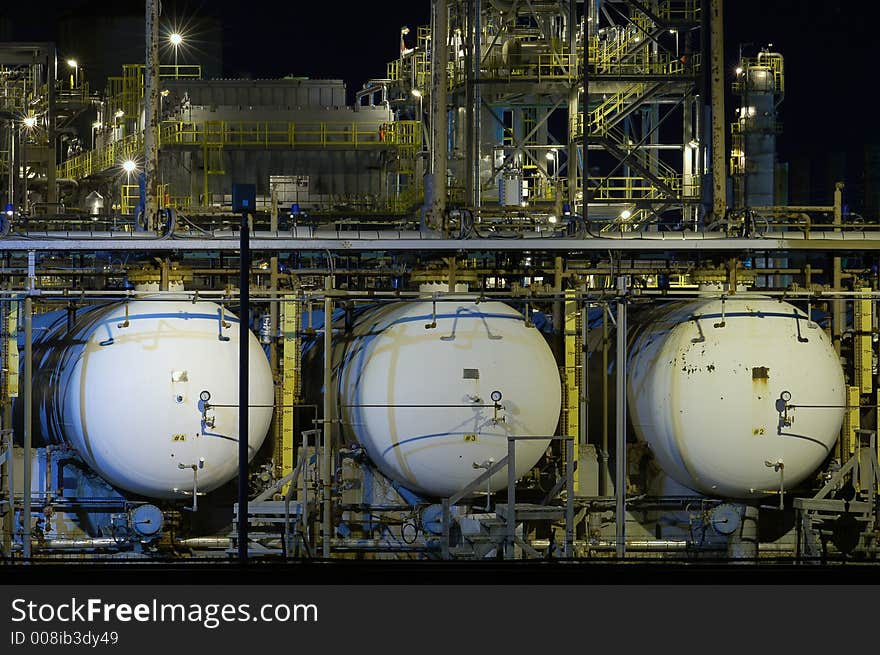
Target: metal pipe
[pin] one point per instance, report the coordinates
(511, 499)
(326, 449)
(584, 413)
(82, 544)
(573, 99)
(243, 386)
(151, 116)
(478, 104)
(437, 211)
(603, 454)
(716, 76)
(743, 544)
(837, 310)
(620, 418)
(569, 497)
(52, 117)
(27, 406)
(208, 543)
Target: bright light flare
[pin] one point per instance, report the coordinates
(129, 166)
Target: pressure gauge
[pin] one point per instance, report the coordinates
(496, 396)
(205, 396)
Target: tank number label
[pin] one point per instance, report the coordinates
(470, 437)
(758, 432)
(178, 437)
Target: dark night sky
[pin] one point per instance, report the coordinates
(829, 49)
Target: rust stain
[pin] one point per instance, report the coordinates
(760, 373)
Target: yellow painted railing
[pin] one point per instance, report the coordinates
(629, 189)
(268, 134)
(680, 10)
(601, 115)
(257, 134)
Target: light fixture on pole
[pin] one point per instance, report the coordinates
(552, 156)
(418, 94)
(176, 39)
(74, 80)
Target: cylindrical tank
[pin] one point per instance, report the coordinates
(415, 389)
(704, 382)
(121, 384)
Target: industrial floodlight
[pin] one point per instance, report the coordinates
(416, 93)
(30, 122)
(128, 166)
(175, 39)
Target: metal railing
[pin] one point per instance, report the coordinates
(508, 462)
(250, 134)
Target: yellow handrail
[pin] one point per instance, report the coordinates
(260, 134)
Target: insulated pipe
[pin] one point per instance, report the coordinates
(151, 116)
(439, 83)
(27, 400)
(328, 411)
(743, 544)
(837, 310)
(243, 387)
(620, 417)
(603, 454)
(310, 234)
(478, 102)
(719, 165)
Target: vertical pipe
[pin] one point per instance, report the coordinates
(719, 166)
(444, 546)
(51, 186)
(569, 497)
(574, 92)
(603, 455)
(469, 106)
(511, 498)
(837, 308)
(9, 496)
(584, 413)
(27, 405)
(478, 103)
(558, 312)
(326, 451)
(620, 418)
(439, 84)
(151, 115)
(743, 544)
(243, 386)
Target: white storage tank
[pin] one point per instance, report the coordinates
(420, 399)
(121, 384)
(703, 385)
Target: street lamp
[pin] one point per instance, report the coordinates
(418, 94)
(553, 155)
(176, 39)
(74, 80)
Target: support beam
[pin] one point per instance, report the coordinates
(620, 419)
(151, 116)
(439, 84)
(716, 76)
(326, 447)
(27, 404)
(243, 386)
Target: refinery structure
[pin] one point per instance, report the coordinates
(529, 293)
